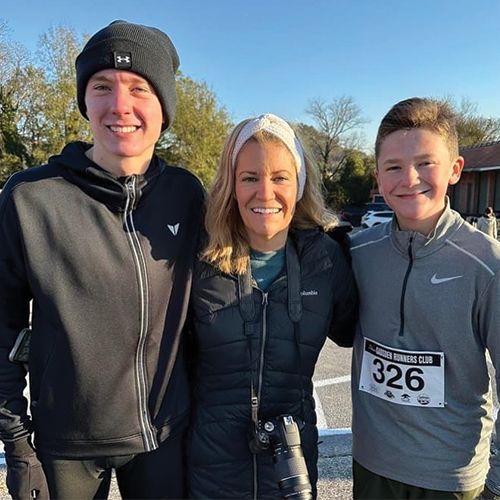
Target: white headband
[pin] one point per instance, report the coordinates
(274, 125)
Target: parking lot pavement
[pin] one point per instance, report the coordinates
(334, 467)
(333, 407)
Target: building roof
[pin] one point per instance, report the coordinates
(482, 157)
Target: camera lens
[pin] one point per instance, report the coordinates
(289, 462)
(291, 472)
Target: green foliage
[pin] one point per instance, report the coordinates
(355, 182)
(13, 154)
(47, 115)
(200, 127)
(347, 173)
(9, 164)
(477, 130)
(357, 177)
(44, 96)
(62, 121)
(472, 127)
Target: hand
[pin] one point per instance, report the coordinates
(25, 477)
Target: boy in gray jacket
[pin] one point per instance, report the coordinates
(429, 310)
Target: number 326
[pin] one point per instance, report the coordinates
(394, 374)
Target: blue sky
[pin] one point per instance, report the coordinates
(275, 55)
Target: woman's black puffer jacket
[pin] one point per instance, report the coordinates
(270, 357)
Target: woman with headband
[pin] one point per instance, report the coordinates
(269, 288)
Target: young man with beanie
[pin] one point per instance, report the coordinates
(102, 241)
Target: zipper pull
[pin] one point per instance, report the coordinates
(130, 185)
(264, 298)
(409, 247)
(255, 409)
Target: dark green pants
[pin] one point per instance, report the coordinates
(370, 486)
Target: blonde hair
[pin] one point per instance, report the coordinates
(228, 248)
(429, 114)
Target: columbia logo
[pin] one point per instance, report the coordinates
(174, 229)
(309, 292)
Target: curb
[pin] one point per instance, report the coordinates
(334, 443)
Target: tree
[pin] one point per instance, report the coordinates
(44, 95)
(472, 127)
(335, 132)
(357, 177)
(196, 137)
(29, 89)
(58, 49)
(44, 109)
(12, 54)
(13, 154)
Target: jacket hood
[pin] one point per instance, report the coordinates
(100, 184)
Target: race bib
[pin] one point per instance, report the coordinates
(412, 378)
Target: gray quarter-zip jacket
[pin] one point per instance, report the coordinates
(435, 294)
(107, 262)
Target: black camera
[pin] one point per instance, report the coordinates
(283, 435)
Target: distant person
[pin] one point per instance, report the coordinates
(102, 240)
(270, 288)
(488, 223)
(429, 310)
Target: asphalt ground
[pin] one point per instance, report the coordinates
(332, 387)
(335, 478)
(333, 407)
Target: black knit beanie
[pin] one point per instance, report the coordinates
(133, 47)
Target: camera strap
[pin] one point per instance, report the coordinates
(248, 313)
(299, 365)
(295, 307)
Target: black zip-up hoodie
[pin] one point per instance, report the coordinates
(107, 262)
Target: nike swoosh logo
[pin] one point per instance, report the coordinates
(436, 281)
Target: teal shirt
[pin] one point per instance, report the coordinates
(266, 266)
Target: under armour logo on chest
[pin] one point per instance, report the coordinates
(123, 60)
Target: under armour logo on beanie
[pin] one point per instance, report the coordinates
(123, 60)
(144, 50)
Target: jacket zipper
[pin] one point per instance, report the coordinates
(403, 292)
(148, 434)
(263, 345)
(259, 382)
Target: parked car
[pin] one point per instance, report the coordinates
(378, 198)
(377, 207)
(352, 214)
(371, 219)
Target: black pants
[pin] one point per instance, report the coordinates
(370, 486)
(158, 474)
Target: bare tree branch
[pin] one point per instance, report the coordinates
(336, 123)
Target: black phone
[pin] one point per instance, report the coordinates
(21, 350)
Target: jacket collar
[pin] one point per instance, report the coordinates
(245, 289)
(422, 245)
(100, 184)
